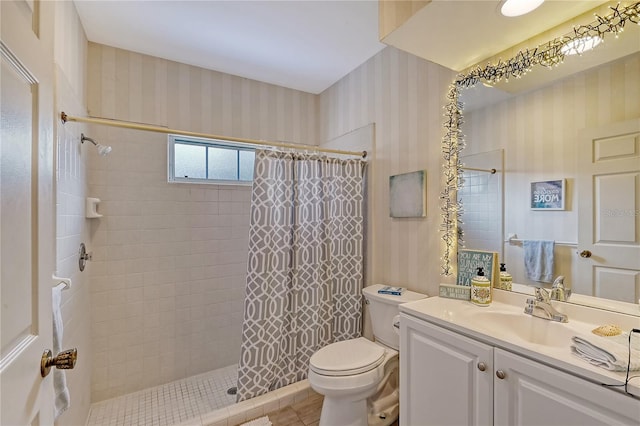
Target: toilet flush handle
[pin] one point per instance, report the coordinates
(396, 324)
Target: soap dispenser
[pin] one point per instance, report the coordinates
(480, 289)
(505, 278)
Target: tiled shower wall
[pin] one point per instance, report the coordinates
(70, 54)
(483, 202)
(169, 260)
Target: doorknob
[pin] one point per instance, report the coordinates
(585, 254)
(65, 360)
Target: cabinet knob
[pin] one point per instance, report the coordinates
(501, 374)
(482, 366)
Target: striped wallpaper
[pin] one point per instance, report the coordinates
(403, 95)
(130, 86)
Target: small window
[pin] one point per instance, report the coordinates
(210, 161)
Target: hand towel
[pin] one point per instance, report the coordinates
(607, 352)
(538, 260)
(60, 389)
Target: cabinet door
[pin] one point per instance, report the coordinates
(441, 377)
(534, 394)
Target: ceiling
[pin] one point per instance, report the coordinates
(309, 45)
(459, 34)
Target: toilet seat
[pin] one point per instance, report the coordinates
(347, 358)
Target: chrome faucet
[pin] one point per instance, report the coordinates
(541, 307)
(558, 291)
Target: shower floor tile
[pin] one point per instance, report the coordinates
(168, 404)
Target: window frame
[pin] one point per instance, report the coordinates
(204, 142)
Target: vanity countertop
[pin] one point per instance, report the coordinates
(503, 324)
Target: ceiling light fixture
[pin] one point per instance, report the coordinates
(519, 7)
(579, 45)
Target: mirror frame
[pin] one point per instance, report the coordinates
(548, 55)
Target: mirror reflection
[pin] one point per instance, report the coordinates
(582, 129)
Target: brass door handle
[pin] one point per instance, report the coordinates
(585, 254)
(65, 360)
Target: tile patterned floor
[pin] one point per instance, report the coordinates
(168, 404)
(183, 401)
(304, 413)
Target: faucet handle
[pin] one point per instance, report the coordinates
(528, 309)
(560, 293)
(542, 295)
(558, 290)
(558, 282)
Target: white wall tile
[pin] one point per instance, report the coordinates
(71, 189)
(170, 259)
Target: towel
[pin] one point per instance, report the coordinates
(610, 353)
(538, 260)
(61, 391)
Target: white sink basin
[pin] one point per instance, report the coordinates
(510, 324)
(517, 327)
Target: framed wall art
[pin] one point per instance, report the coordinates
(407, 195)
(548, 195)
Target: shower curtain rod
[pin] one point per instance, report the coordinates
(149, 128)
(492, 171)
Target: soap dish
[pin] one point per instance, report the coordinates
(607, 330)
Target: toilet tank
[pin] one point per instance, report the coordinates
(383, 308)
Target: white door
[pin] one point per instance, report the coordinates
(27, 211)
(609, 212)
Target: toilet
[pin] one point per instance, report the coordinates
(358, 377)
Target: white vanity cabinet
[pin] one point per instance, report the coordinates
(445, 378)
(531, 393)
(450, 379)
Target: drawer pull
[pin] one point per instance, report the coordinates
(501, 374)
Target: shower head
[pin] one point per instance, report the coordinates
(103, 150)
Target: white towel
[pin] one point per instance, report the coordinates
(610, 353)
(61, 391)
(538, 260)
(260, 421)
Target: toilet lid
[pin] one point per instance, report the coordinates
(347, 357)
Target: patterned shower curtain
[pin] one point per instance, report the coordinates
(305, 269)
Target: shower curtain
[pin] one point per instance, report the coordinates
(305, 268)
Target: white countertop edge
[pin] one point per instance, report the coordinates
(560, 358)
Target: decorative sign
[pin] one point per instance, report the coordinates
(470, 260)
(407, 195)
(455, 291)
(548, 195)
